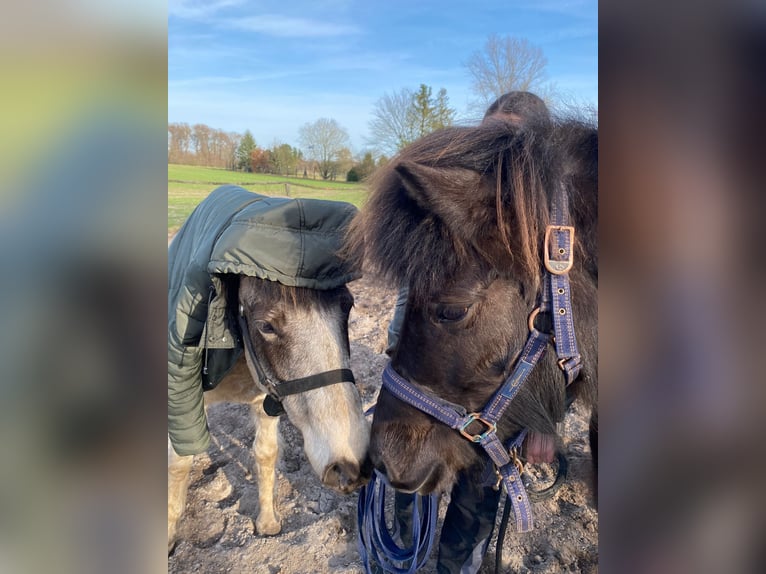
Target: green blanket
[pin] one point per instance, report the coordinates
(292, 241)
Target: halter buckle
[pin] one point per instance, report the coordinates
(559, 266)
(499, 480)
(571, 367)
(517, 462)
(476, 417)
(531, 321)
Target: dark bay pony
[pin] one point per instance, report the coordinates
(459, 217)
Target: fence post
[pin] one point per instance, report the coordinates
(287, 189)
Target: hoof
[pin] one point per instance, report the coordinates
(268, 527)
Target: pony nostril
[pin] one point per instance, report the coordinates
(342, 475)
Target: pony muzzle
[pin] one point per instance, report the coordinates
(344, 476)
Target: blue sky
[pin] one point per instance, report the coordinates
(271, 66)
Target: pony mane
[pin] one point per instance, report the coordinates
(471, 194)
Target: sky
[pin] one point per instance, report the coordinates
(272, 66)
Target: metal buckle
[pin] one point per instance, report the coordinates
(570, 366)
(562, 363)
(499, 480)
(476, 417)
(516, 460)
(531, 324)
(555, 266)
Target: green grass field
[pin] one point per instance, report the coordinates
(198, 182)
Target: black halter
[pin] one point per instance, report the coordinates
(277, 389)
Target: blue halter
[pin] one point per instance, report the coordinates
(556, 299)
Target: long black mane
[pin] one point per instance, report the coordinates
(480, 193)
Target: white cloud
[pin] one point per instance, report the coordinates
(287, 27)
(196, 9)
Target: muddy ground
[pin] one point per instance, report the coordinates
(318, 525)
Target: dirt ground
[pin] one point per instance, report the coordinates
(318, 525)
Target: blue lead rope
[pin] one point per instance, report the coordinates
(378, 550)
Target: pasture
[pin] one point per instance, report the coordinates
(188, 185)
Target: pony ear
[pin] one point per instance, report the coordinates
(466, 203)
(451, 193)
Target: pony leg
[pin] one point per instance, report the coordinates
(179, 468)
(266, 453)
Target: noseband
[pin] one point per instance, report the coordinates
(556, 300)
(277, 389)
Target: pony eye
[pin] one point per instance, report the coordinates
(265, 327)
(451, 313)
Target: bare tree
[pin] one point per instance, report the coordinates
(201, 140)
(231, 145)
(223, 148)
(392, 126)
(202, 145)
(404, 116)
(179, 143)
(324, 140)
(506, 64)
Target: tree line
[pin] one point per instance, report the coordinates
(398, 119)
(327, 156)
(202, 145)
(325, 146)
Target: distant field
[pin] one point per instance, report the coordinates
(198, 182)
